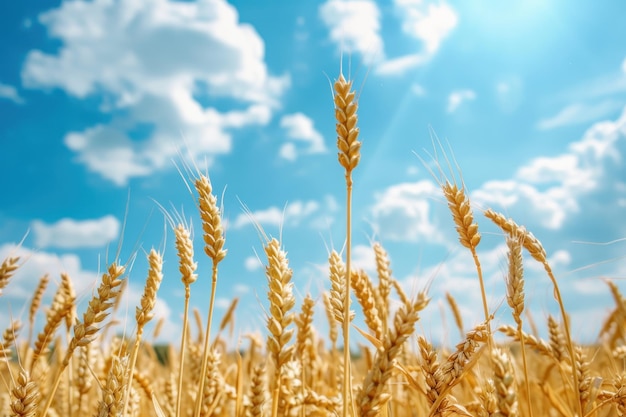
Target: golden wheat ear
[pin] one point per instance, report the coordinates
(282, 301)
(7, 269)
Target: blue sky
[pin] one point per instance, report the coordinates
(100, 102)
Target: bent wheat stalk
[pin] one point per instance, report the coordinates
(85, 331)
(536, 250)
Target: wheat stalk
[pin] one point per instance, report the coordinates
(86, 330)
(280, 295)
(214, 248)
(349, 156)
(373, 396)
(536, 250)
(144, 313)
(515, 299)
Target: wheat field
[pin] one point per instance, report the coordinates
(71, 368)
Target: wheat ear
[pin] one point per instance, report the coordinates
(456, 312)
(61, 307)
(349, 155)
(304, 339)
(257, 392)
(214, 248)
(25, 396)
(364, 291)
(383, 270)
(144, 313)
(8, 340)
(374, 396)
(112, 402)
(86, 330)
(35, 303)
(536, 250)
(7, 269)
(515, 299)
(280, 295)
(467, 229)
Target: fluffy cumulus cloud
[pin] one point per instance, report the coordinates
(8, 92)
(70, 233)
(402, 212)
(429, 23)
(554, 189)
(299, 128)
(114, 50)
(456, 98)
(354, 26)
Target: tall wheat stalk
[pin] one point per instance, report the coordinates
(214, 248)
(349, 156)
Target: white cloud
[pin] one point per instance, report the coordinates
(624, 66)
(580, 113)
(293, 214)
(35, 264)
(363, 257)
(403, 212)
(288, 151)
(114, 50)
(252, 263)
(242, 288)
(427, 21)
(9, 92)
(69, 233)
(399, 65)
(456, 98)
(553, 189)
(299, 127)
(355, 27)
